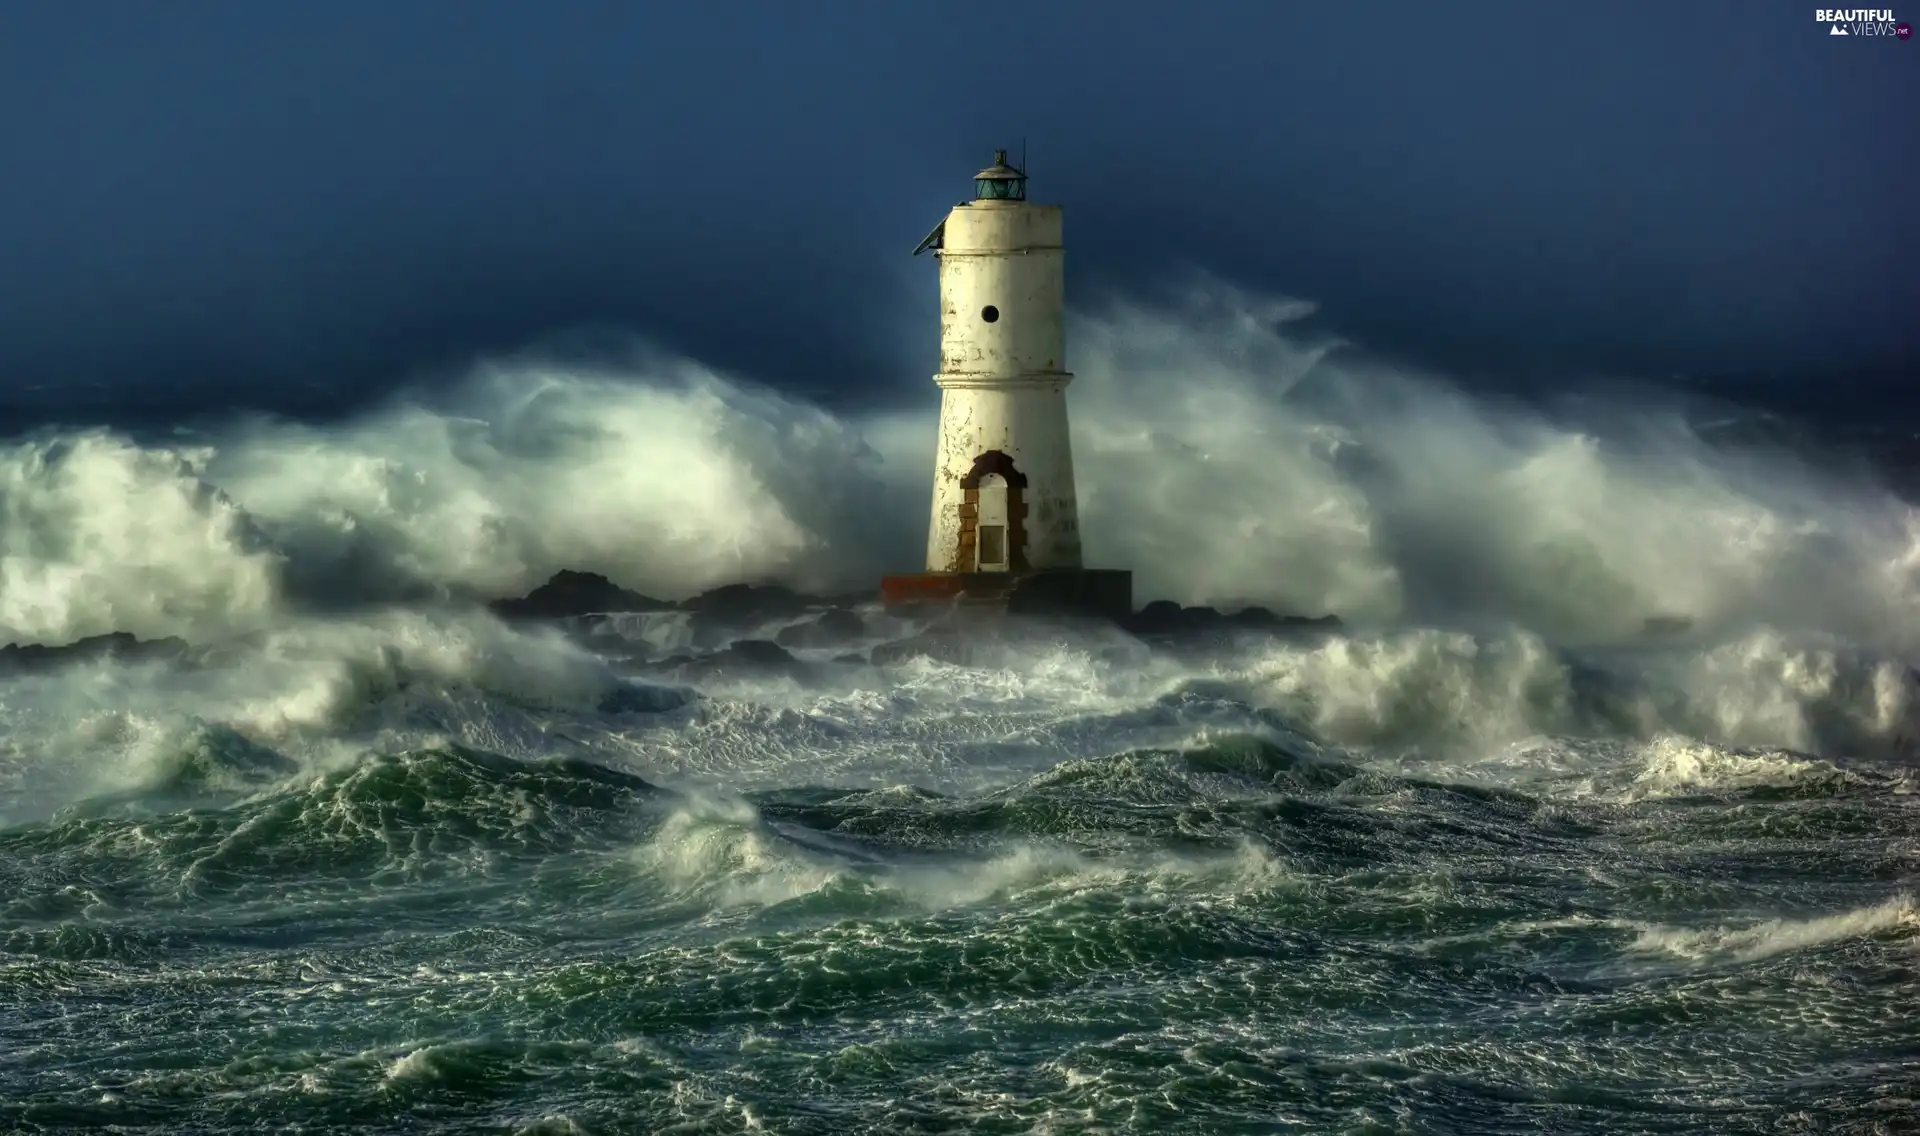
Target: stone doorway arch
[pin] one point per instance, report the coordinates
(993, 473)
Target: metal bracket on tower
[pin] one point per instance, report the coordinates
(933, 240)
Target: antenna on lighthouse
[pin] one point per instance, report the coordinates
(1023, 153)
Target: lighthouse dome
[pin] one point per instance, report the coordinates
(1000, 181)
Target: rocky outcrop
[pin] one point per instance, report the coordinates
(963, 638)
(740, 607)
(954, 632)
(716, 615)
(573, 594)
(1164, 618)
(118, 646)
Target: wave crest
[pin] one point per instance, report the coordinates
(98, 534)
(1226, 456)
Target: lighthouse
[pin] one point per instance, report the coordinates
(1005, 521)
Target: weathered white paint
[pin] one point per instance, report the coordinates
(1003, 382)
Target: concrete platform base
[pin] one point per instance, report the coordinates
(1100, 592)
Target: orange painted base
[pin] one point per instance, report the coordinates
(922, 587)
(1077, 591)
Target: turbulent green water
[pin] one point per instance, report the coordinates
(1284, 889)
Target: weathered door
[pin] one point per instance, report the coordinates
(991, 540)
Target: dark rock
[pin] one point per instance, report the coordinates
(841, 625)
(572, 593)
(1256, 617)
(967, 636)
(759, 653)
(1164, 618)
(970, 634)
(723, 611)
(915, 611)
(118, 646)
(1261, 619)
(720, 613)
(1098, 593)
(941, 644)
(833, 628)
(748, 601)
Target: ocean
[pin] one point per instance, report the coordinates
(1595, 814)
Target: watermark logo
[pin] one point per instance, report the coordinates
(1862, 22)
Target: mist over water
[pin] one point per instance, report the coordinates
(1597, 812)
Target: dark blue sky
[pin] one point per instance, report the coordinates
(298, 205)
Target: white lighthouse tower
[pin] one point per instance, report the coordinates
(1005, 518)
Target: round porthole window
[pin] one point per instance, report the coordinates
(989, 313)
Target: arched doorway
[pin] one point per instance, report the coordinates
(993, 510)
